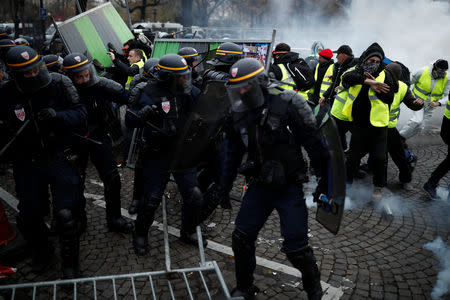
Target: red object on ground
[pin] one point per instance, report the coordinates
(7, 234)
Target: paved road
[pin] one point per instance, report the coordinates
(371, 257)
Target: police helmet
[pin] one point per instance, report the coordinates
(150, 66)
(171, 65)
(53, 62)
(76, 62)
(189, 54)
(3, 33)
(244, 84)
(27, 68)
(21, 42)
(227, 54)
(5, 45)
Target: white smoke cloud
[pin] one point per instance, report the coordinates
(442, 251)
(415, 32)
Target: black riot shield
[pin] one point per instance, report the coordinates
(201, 128)
(330, 206)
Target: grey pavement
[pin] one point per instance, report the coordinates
(370, 258)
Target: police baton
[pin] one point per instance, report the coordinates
(83, 137)
(14, 137)
(148, 123)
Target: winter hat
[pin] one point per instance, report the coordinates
(395, 70)
(326, 53)
(282, 48)
(441, 64)
(373, 50)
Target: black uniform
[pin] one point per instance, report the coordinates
(47, 107)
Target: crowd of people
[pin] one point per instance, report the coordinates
(58, 112)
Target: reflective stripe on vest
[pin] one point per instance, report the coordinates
(326, 81)
(140, 64)
(340, 99)
(395, 106)
(422, 88)
(379, 111)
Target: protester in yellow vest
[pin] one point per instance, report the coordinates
(136, 60)
(443, 168)
(431, 84)
(291, 69)
(323, 74)
(370, 93)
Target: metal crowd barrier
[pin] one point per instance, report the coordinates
(74, 285)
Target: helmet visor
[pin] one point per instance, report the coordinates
(32, 80)
(245, 97)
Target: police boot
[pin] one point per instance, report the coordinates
(144, 219)
(245, 263)
(132, 209)
(36, 234)
(305, 262)
(70, 243)
(191, 217)
(114, 218)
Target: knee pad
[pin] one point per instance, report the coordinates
(66, 221)
(195, 197)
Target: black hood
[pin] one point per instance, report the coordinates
(286, 58)
(373, 50)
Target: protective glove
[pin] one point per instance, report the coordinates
(272, 174)
(146, 112)
(46, 114)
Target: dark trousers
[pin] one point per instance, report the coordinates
(397, 153)
(343, 127)
(155, 179)
(103, 160)
(33, 178)
(444, 166)
(258, 204)
(372, 140)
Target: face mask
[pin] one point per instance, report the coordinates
(371, 67)
(438, 73)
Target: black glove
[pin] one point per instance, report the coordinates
(146, 112)
(46, 114)
(272, 174)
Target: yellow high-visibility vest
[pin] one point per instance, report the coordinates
(140, 64)
(340, 99)
(422, 88)
(379, 111)
(395, 106)
(286, 77)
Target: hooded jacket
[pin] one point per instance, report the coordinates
(361, 105)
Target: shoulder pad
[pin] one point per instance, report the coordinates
(216, 75)
(110, 84)
(67, 84)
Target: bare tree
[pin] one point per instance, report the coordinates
(141, 5)
(203, 9)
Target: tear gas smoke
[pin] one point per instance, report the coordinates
(442, 251)
(415, 32)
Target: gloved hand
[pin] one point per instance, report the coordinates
(272, 174)
(146, 112)
(46, 114)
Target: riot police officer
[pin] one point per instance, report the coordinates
(272, 127)
(42, 110)
(136, 86)
(216, 190)
(192, 58)
(163, 109)
(97, 94)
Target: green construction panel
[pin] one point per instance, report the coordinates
(117, 23)
(214, 46)
(92, 40)
(162, 48)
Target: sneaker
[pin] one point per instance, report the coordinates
(407, 186)
(430, 191)
(377, 194)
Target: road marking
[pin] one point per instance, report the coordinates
(330, 292)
